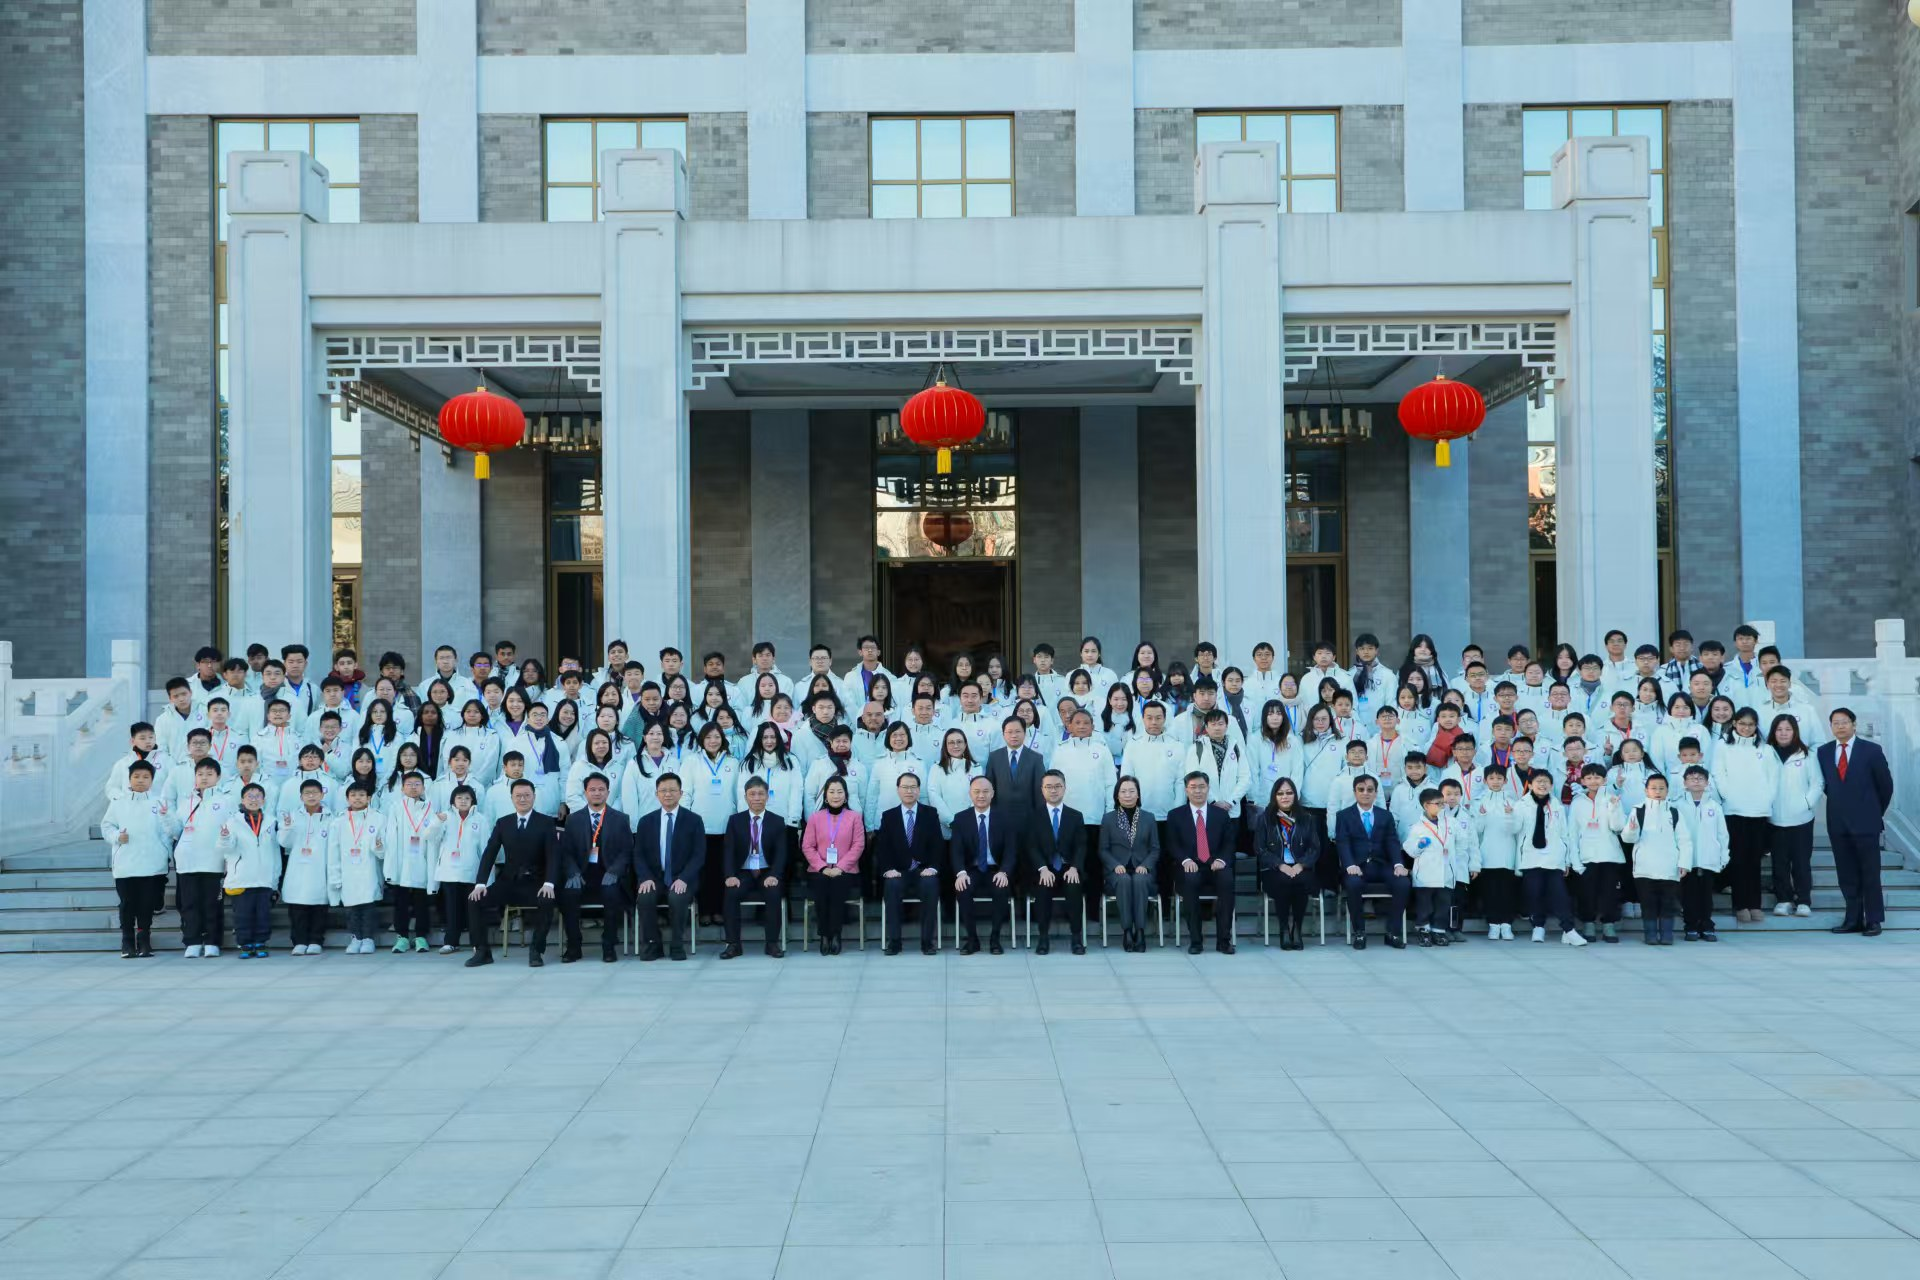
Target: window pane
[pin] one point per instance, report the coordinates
(1541, 134)
(1537, 192)
(1320, 195)
(238, 135)
(1268, 128)
(336, 144)
(220, 214)
(220, 323)
(343, 204)
(1653, 258)
(989, 200)
(569, 151)
(1645, 122)
(939, 149)
(346, 434)
(893, 150)
(573, 483)
(563, 538)
(665, 133)
(1659, 360)
(614, 135)
(895, 202)
(1311, 529)
(1314, 149)
(289, 135)
(942, 201)
(1314, 475)
(1659, 308)
(1593, 122)
(569, 204)
(1657, 199)
(989, 148)
(1216, 128)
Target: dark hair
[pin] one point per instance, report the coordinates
(1796, 745)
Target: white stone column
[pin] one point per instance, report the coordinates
(1436, 145)
(1440, 547)
(779, 495)
(777, 110)
(280, 551)
(115, 131)
(1109, 528)
(1103, 107)
(448, 56)
(643, 443)
(449, 555)
(1608, 564)
(1239, 437)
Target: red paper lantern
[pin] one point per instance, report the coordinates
(1442, 411)
(946, 529)
(944, 418)
(483, 423)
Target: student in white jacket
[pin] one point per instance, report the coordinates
(1682, 723)
(250, 841)
(1662, 851)
(303, 885)
(1429, 843)
(1388, 748)
(839, 762)
(1743, 774)
(278, 744)
(1706, 823)
(1594, 822)
(355, 844)
(884, 773)
(139, 828)
(1547, 855)
(482, 744)
(949, 783)
(773, 764)
(1797, 790)
(1339, 793)
(1496, 825)
(1222, 761)
(596, 756)
(1783, 699)
(140, 747)
(1153, 759)
(200, 863)
(643, 773)
(408, 864)
(287, 798)
(460, 834)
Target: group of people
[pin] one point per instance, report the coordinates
(1580, 790)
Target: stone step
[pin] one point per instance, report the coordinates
(75, 857)
(56, 899)
(84, 878)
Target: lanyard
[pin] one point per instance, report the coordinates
(714, 766)
(1428, 824)
(354, 826)
(406, 807)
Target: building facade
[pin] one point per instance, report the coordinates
(1400, 143)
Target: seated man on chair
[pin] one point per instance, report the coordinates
(1057, 850)
(525, 847)
(596, 856)
(909, 851)
(668, 851)
(757, 851)
(1369, 851)
(1200, 844)
(982, 850)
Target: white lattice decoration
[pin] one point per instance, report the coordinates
(713, 352)
(349, 355)
(1536, 342)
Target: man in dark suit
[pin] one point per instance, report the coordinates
(754, 857)
(1014, 770)
(1859, 789)
(909, 851)
(596, 857)
(1369, 851)
(1200, 846)
(668, 851)
(983, 854)
(1057, 852)
(526, 846)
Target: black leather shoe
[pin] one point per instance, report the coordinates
(1397, 943)
(891, 949)
(775, 951)
(651, 951)
(1871, 931)
(568, 957)
(731, 951)
(969, 947)
(1194, 948)
(1043, 947)
(1849, 928)
(1226, 948)
(995, 949)
(475, 961)
(678, 953)
(534, 961)
(1079, 948)
(1359, 942)
(608, 955)
(928, 949)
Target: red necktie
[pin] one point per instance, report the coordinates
(1843, 762)
(1200, 837)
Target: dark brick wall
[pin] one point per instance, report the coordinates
(389, 169)
(719, 492)
(1169, 536)
(716, 165)
(1043, 163)
(1372, 160)
(1379, 589)
(841, 463)
(1616, 22)
(1908, 79)
(1049, 549)
(1163, 160)
(390, 538)
(1495, 163)
(595, 26)
(221, 27)
(837, 172)
(982, 26)
(1500, 579)
(1264, 24)
(510, 169)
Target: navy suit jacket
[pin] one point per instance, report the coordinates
(1857, 806)
(689, 848)
(1357, 848)
(776, 844)
(964, 845)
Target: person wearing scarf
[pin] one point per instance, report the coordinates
(1287, 849)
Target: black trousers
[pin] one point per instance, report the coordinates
(1547, 896)
(1603, 887)
(830, 897)
(519, 893)
(566, 903)
(1658, 900)
(980, 885)
(1792, 850)
(253, 917)
(925, 890)
(1747, 840)
(410, 912)
(1399, 888)
(1499, 894)
(1696, 901)
(140, 898)
(1290, 893)
(1430, 908)
(1856, 861)
(309, 923)
(677, 905)
(453, 911)
(198, 895)
(1074, 896)
(713, 880)
(1216, 877)
(753, 888)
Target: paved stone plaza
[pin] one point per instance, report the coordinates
(1750, 1108)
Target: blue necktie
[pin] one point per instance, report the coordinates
(1366, 820)
(1057, 863)
(666, 853)
(986, 858)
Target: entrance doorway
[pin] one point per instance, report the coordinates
(1316, 610)
(578, 607)
(947, 609)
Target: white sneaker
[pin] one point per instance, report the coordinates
(312, 949)
(211, 953)
(1573, 939)
(1506, 933)
(193, 952)
(1783, 908)
(1539, 934)
(366, 946)
(446, 950)
(1493, 933)
(1803, 910)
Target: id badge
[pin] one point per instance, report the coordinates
(715, 782)
(413, 843)
(833, 855)
(354, 852)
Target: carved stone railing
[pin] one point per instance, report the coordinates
(58, 738)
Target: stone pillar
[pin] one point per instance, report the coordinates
(779, 490)
(1440, 547)
(1103, 107)
(643, 451)
(1109, 531)
(449, 556)
(280, 567)
(777, 113)
(448, 56)
(1435, 169)
(1608, 566)
(1240, 447)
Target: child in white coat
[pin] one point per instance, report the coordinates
(1547, 856)
(139, 828)
(252, 846)
(199, 862)
(408, 864)
(1706, 822)
(459, 838)
(1496, 821)
(1430, 843)
(1594, 821)
(303, 883)
(1797, 791)
(1662, 851)
(354, 848)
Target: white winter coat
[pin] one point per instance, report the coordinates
(1561, 853)
(948, 791)
(304, 838)
(1594, 824)
(458, 843)
(1090, 771)
(1743, 773)
(354, 846)
(1662, 842)
(484, 746)
(1226, 777)
(1156, 764)
(253, 860)
(150, 824)
(1496, 818)
(1797, 788)
(409, 854)
(1706, 824)
(201, 816)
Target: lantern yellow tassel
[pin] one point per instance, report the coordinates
(944, 463)
(481, 470)
(1442, 455)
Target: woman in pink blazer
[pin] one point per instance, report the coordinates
(832, 843)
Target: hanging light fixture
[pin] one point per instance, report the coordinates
(1327, 424)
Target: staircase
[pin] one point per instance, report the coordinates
(62, 899)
